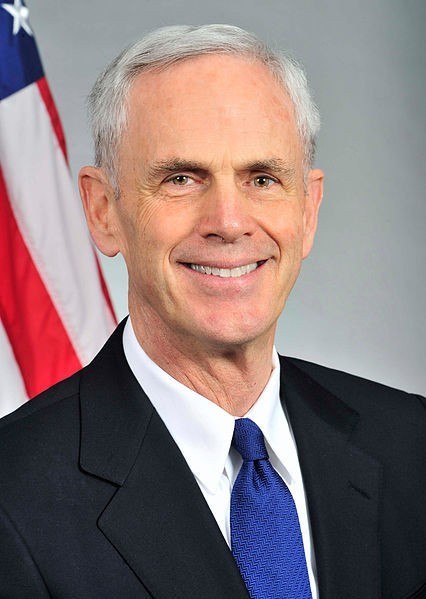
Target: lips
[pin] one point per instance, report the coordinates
(217, 271)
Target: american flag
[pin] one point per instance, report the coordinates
(54, 306)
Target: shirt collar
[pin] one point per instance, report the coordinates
(201, 429)
(269, 415)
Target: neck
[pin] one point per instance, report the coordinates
(232, 377)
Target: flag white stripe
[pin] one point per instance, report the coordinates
(51, 219)
(12, 390)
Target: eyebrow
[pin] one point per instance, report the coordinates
(277, 165)
(174, 165)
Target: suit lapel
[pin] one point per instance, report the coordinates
(342, 487)
(158, 519)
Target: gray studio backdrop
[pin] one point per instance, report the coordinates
(359, 304)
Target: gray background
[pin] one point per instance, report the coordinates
(359, 304)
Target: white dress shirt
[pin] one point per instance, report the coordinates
(203, 432)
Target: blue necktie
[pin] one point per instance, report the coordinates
(265, 531)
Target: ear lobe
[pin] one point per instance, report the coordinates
(313, 198)
(97, 197)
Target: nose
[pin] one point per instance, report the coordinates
(225, 213)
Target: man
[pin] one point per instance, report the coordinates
(188, 460)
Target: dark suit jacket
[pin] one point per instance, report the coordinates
(96, 500)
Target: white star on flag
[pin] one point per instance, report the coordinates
(20, 14)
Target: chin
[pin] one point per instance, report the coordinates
(224, 335)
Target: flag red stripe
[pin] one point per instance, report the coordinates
(40, 342)
(49, 102)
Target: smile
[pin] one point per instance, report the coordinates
(238, 271)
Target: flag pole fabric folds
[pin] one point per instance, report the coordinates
(54, 306)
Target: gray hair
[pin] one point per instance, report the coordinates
(166, 46)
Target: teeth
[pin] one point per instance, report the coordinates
(239, 271)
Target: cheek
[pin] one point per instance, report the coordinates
(141, 228)
(152, 236)
(287, 232)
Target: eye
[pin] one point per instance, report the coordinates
(180, 180)
(263, 181)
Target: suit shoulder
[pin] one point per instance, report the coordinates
(61, 390)
(40, 418)
(360, 393)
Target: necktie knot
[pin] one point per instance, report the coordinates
(248, 440)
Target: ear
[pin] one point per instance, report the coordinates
(313, 197)
(98, 203)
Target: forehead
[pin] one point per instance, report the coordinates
(213, 101)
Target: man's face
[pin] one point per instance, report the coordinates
(212, 220)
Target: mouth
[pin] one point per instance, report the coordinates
(226, 273)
